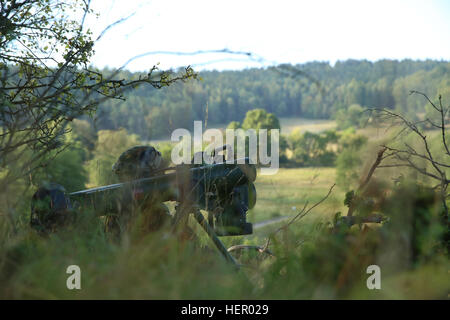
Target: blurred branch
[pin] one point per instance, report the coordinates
(405, 157)
(443, 117)
(192, 53)
(375, 165)
(372, 218)
(283, 69)
(260, 249)
(298, 216)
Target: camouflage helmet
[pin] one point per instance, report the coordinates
(137, 162)
(50, 208)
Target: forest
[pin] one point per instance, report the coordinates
(314, 90)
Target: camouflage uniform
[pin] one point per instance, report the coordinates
(141, 162)
(50, 208)
(136, 163)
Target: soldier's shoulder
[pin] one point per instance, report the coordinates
(133, 152)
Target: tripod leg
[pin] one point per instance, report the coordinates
(205, 225)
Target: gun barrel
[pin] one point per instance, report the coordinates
(112, 198)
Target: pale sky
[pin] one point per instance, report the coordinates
(276, 31)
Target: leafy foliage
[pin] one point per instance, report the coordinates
(313, 149)
(260, 119)
(67, 169)
(45, 83)
(109, 146)
(45, 80)
(353, 116)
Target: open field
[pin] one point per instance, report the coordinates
(312, 125)
(282, 196)
(290, 124)
(287, 126)
(285, 193)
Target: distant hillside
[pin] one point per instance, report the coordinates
(313, 90)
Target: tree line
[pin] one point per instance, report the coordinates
(314, 90)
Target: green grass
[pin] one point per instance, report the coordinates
(286, 192)
(309, 263)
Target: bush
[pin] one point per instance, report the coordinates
(109, 147)
(166, 152)
(353, 116)
(67, 168)
(313, 149)
(260, 119)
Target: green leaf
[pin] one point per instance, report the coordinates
(349, 196)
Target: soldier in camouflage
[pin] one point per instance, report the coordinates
(136, 163)
(51, 209)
